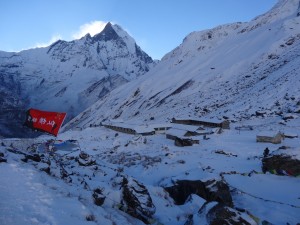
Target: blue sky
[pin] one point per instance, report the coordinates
(158, 26)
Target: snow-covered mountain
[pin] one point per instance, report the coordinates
(233, 70)
(70, 76)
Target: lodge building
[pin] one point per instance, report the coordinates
(225, 124)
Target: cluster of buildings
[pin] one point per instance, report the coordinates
(187, 131)
(183, 131)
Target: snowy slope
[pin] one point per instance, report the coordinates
(232, 70)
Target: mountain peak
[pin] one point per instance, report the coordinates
(108, 25)
(107, 34)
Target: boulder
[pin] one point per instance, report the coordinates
(98, 197)
(84, 159)
(136, 200)
(218, 191)
(34, 157)
(44, 167)
(2, 160)
(281, 164)
(211, 190)
(90, 217)
(260, 113)
(220, 214)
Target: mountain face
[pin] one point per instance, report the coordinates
(68, 76)
(12, 105)
(231, 71)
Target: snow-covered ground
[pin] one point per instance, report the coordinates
(31, 196)
(28, 197)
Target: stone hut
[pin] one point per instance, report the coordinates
(269, 137)
(225, 124)
(144, 130)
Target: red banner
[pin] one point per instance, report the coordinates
(44, 121)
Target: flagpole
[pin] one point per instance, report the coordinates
(63, 122)
(59, 130)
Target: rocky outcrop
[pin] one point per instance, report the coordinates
(210, 190)
(136, 200)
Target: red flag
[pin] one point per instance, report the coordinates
(44, 121)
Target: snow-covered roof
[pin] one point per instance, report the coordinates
(161, 125)
(268, 133)
(211, 120)
(143, 129)
(138, 128)
(185, 127)
(204, 119)
(176, 132)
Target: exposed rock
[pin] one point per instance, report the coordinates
(85, 159)
(57, 167)
(84, 155)
(267, 223)
(260, 113)
(2, 160)
(190, 220)
(90, 217)
(45, 167)
(210, 190)
(218, 191)
(136, 200)
(46, 170)
(64, 174)
(222, 152)
(281, 165)
(289, 117)
(98, 197)
(220, 214)
(35, 158)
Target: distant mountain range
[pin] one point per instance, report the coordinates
(67, 76)
(235, 71)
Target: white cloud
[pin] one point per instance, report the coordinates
(53, 39)
(92, 28)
